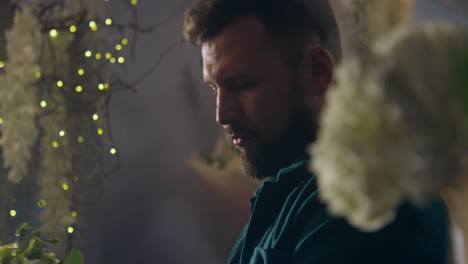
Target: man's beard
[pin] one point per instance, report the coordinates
(283, 151)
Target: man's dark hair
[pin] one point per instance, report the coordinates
(290, 23)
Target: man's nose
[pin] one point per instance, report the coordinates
(228, 108)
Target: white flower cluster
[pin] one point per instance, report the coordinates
(18, 94)
(393, 127)
(375, 18)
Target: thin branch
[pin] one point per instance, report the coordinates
(157, 62)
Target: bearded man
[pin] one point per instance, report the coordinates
(270, 64)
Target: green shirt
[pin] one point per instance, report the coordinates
(288, 224)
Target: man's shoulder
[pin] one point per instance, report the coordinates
(416, 235)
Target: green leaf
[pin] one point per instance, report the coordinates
(75, 257)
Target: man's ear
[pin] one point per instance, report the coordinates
(316, 70)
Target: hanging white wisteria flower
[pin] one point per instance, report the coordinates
(19, 102)
(375, 18)
(393, 127)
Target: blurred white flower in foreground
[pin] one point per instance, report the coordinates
(394, 125)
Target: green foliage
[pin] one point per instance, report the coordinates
(74, 257)
(30, 248)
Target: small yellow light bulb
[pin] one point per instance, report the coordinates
(124, 41)
(55, 144)
(118, 47)
(43, 104)
(1, 120)
(74, 214)
(112, 60)
(65, 187)
(108, 21)
(38, 75)
(95, 117)
(93, 25)
(59, 83)
(106, 86)
(70, 229)
(113, 151)
(41, 203)
(108, 55)
(53, 33)
(80, 139)
(62, 133)
(100, 131)
(81, 72)
(98, 56)
(2, 64)
(134, 2)
(88, 53)
(121, 59)
(101, 86)
(72, 29)
(79, 89)
(13, 213)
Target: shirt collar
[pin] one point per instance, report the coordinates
(283, 174)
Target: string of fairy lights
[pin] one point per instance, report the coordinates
(112, 56)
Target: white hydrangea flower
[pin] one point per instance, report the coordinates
(18, 94)
(392, 129)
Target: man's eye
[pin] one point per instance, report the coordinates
(213, 89)
(244, 85)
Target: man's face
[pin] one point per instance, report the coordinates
(259, 98)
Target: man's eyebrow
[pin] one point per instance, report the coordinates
(232, 79)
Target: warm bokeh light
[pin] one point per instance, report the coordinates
(41, 203)
(93, 25)
(53, 33)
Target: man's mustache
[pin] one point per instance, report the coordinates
(238, 131)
